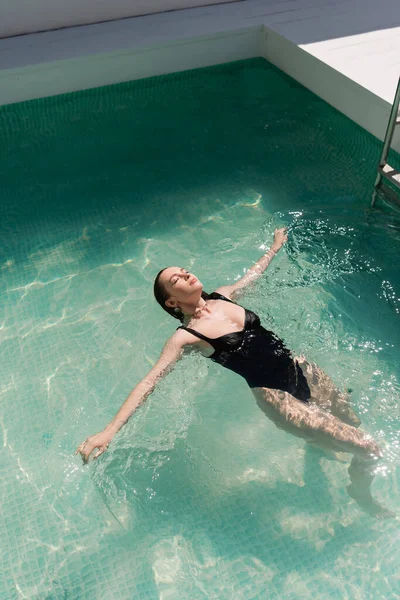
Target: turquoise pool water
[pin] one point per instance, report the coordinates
(199, 496)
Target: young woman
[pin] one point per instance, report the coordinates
(295, 394)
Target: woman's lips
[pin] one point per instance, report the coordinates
(192, 281)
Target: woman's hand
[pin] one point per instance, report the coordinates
(280, 237)
(99, 440)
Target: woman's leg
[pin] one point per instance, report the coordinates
(327, 431)
(325, 394)
(361, 475)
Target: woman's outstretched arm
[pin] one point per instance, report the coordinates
(172, 351)
(230, 291)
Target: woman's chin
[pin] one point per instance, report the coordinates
(196, 286)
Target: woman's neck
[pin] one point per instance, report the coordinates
(195, 311)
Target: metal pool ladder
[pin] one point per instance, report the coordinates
(385, 171)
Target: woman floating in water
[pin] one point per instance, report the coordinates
(295, 394)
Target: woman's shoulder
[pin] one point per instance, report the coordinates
(220, 294)
(227, 292)
(224, 291)
(183, 337)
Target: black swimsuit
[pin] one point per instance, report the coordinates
(258, 355)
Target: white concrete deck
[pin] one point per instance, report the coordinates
(346, 51)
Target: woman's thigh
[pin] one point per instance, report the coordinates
(326, 394)
(313, 424)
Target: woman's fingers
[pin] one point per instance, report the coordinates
(100, 451)
(87, 447)
(85, 450)
(280, 235)
(281, 231)
(81, 447)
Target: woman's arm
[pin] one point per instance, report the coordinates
(230, 291)
(171, 353)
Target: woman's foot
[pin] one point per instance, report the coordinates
(366, 502)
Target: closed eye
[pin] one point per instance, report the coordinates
(184, 272)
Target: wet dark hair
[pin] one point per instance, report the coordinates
(161, 295)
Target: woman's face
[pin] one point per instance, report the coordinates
(180, 285)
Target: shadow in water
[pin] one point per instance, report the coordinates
(289, 528)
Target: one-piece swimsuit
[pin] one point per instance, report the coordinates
(258, 355)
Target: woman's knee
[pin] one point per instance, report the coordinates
(372, 449)
(362, 468)
(366, 450)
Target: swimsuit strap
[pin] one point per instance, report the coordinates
(218, 296)
(197, 334)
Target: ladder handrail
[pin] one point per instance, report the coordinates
(393, 121)
(391, 126)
